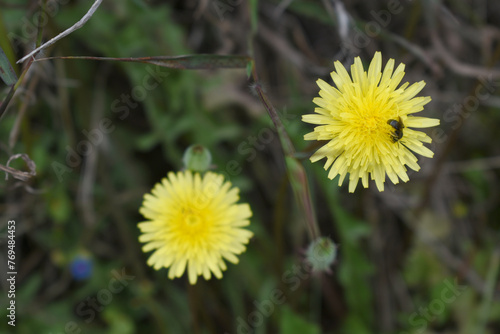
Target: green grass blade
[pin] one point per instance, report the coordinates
(6, 71)
(5, 44)
(189, 62)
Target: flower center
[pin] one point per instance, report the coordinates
(369, 127)
(193, 224)
(371, 124)
(192, 219)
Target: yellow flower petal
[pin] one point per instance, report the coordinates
(421, 122)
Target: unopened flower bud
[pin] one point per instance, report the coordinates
(321, 253)
(197, 158)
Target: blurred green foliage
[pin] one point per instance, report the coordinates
(395, 258)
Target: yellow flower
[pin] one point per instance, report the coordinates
(194, 222)
(367, 122)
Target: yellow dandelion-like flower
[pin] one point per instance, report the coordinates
(367, 122)
(194, 222)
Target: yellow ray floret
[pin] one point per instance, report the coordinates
(194, 222)
(367, 120)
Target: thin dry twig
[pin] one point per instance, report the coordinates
(65, 33)
(17, 174)
(417, 51)
(284, 48)
(457, 265)
(14, 133)
(450, 260)
(458, 67)
(475, 164)
(89, 170)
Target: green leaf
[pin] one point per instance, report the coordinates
(118, 322)
(6, 71)
(59, 206)
(293, 323)
(250, 66)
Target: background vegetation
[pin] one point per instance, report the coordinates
(421, 257)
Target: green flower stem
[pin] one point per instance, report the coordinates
(295, 170)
